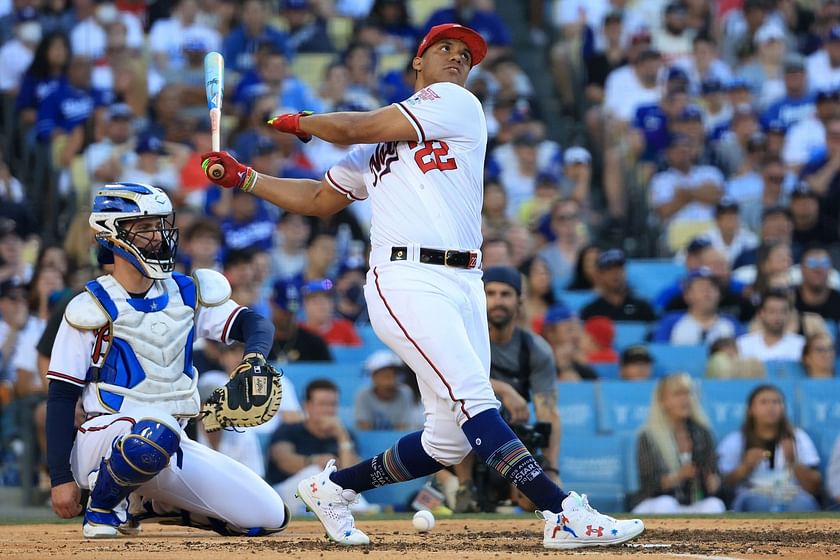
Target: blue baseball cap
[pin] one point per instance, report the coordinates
(676, 73)
(321, 286)
(286, 296)
(150, 145)
(712, 85)
(736, 84)
(827, 95)
(691, 113)
(558, 313)
(698, 244)
(506, 275)
(775, 126)
(702, 272)
(833, 34)
(610, 258)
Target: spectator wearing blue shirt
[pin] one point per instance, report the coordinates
(69, 108)
(487, 24)
(45, 75)
(391, 17)
(797, 104)
(272, 77)
(701, 323)
(653, 121)
(248, 226)
(241, 44)
(307, 30)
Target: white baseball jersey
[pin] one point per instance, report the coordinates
(427, 192)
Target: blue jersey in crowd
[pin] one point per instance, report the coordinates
(240, 48)
(33, 91)
(652, 122)
(295, 95)
(487, 24)
(68, 107)
(789, 110)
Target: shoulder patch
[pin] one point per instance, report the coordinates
(85, 313)
(212, 287)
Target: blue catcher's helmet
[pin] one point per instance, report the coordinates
(118, 210)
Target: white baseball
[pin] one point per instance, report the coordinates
(423, 521)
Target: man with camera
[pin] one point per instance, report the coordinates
(522, 369)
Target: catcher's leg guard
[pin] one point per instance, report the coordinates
(135, 458)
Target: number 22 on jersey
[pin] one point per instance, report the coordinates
(433, 155)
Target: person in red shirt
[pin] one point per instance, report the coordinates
(321, 319)
(600, 333)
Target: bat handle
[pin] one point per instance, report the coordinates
(215, 128)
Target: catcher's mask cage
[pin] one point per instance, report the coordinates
(118, 209)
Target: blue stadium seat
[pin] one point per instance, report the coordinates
(578, 408)
(784, 370)
(673, 359)
(625, 405)
(594, 465)
(348, 377)
(819, 403)
(369, 338)
(631, 464)
(576, 300)
(725, 401)
(628, 333)
(648, 277)
(606, 371)
(825, 445)
(352, 355)
(397, 495)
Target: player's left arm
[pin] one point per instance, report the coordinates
(387, 124)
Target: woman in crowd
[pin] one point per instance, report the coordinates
(770, 464)
(676, 453)
(818, 356)
(538, 294)
(585, 269)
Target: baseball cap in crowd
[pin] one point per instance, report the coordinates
(120, 111)
(675, 8)
(827, 95)
(322, 286)
(610, 258)
(675, 73)
(698, 244)
(382, 359)
(601, 329)
(702, 272)
(296, 4)
(286, 296)
(614, 16)
(833, 34)
(757, 141)
(547, 179)
(474, 41)
(736, 84)
(641, 35)
(726, 205)
(769, 32)
(777, 210)
(526, 139)
(194, 44)
(576, 154)
(691, 113)
(150, 145)
(648, 54)
(506, 275)
(775, 126)
(558, 313)
(710, 86)
(12, 287)
(793, 62)
(679, 139)
(8, 227)
(803, 190)
(265, 146)
(636, 355)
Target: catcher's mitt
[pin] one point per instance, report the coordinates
(250, 398)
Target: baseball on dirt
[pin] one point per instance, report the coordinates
(423, 521)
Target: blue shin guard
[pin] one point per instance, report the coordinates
(135, 458)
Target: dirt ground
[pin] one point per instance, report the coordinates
(465, 539)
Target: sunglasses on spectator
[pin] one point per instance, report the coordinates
(818, 262)
(565, 217)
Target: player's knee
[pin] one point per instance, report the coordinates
(447, 453)
(145, 451)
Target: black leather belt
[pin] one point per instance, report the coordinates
(448, 257)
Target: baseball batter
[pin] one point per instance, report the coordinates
(125, 346)
(421, 162)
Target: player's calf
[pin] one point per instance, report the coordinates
(136, 458)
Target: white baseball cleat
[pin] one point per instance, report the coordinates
(580, 525)
(331, 504)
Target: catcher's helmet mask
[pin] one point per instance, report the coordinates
(120, 219)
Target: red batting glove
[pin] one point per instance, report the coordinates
(290, 123)
(235, 175)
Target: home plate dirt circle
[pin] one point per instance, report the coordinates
(464, 539)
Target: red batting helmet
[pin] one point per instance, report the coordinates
(474, 41)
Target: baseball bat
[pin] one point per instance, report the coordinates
(214, 87)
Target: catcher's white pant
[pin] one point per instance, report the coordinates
(435, 319)
(198, 479)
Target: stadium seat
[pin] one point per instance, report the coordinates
(396, 495)
(784, 370)
(576, 300)
(310, 68)
(648, 277)
(674, 359)
(825, 445)
(369, 338)
(628, 333)
(605, 371)
(594, 465)
(725, 401)
(578, 408)
(625, 405)
(394, 61)
(819, 403)
(631, 465)
(420, 10)
(340, 30)
(348, 377)
(350, 355)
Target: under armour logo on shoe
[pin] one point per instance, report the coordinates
(313, 487)
(590, 530)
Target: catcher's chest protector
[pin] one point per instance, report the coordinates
(147, 356)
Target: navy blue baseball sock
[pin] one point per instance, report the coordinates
(493, 440)
(405, 461)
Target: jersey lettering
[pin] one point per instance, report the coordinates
(383, 156)
(102, 343)
(433, 155)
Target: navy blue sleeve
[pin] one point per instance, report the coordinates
(254, 330)
(61, 429)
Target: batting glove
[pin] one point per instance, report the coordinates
(290, 123)
(235, 175)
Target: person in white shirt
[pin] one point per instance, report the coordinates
(727, 233)
(167, 37)
(771, 464)
(824, 65)
(633, 85)
(771, 342)
(89, 37)
(806, 138)
(16, 54)
(833, 475)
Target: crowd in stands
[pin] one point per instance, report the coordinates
(689, 198)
